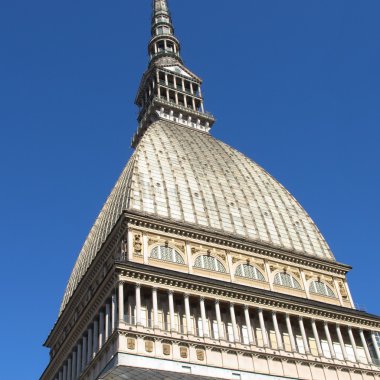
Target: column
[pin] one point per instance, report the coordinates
(121, 302)
(155, 308)
(101, 330)
(138, 304)
(263, 328)
(74, 366)
(219, 320)
(171, 311)
(375, 345)
(248, 324)
(107, 322)
(79, 360)
(329, 340)
(203, 316)
(189, 326)
(68, 376)
(365, 346)
(353, 343)
(95, 339)
(89, 345)
(84, 358)
(233, 321)
(341, 342)
(113, 313)
(65, 372)
(316, 337)
(304, 337)
(60, 375)
(280, 345)
(290, 332)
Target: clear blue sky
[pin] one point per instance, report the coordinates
(294, 84)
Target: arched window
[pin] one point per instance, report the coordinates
(287, 280)
(249, 271)
(210, 263)
(318, 287)
(166, 254)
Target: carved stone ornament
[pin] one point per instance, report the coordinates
(200, 355)
(131, 343)
(166, 349)
(149, 346)
(184, 352)
(343, 290)
(137, 244)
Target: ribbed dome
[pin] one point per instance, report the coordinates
(183, 175)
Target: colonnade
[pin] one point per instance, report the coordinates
(192, 315)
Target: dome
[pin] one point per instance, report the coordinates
(183, 175)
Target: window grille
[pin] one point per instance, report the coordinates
(166, 254)
(209, 263)
(287, 280)
(318, 287)
(249, 271)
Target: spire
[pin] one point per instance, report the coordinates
(168, 90)
(163, 42)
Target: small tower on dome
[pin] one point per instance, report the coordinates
(168, 90)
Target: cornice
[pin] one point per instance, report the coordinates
(233, 241)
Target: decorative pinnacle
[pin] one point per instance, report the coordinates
(163, 42)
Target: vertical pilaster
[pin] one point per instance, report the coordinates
(74, 366)
(138, 304)
(280, 344)
(113, 313)
(79, 360)
(84, 357)
(316, 337)
(155, 308)
(341, 342)
(189, 257)
(101, 330)
(267, 268)
(68, 376)
(121, 302)
(189, 326)
(171, 310)
(375, 345)
(95, 338)
(60, 375)
(290, 332)
(263, 328)
(353, 344)
(219, 320)
(203, 317)
(365, 346)
(304, 282)
(329, 340)
(107, 322)
(145, 249)
(304, 336)
(89, 345)
(248, 324)
(64, 376)
(234, 324)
